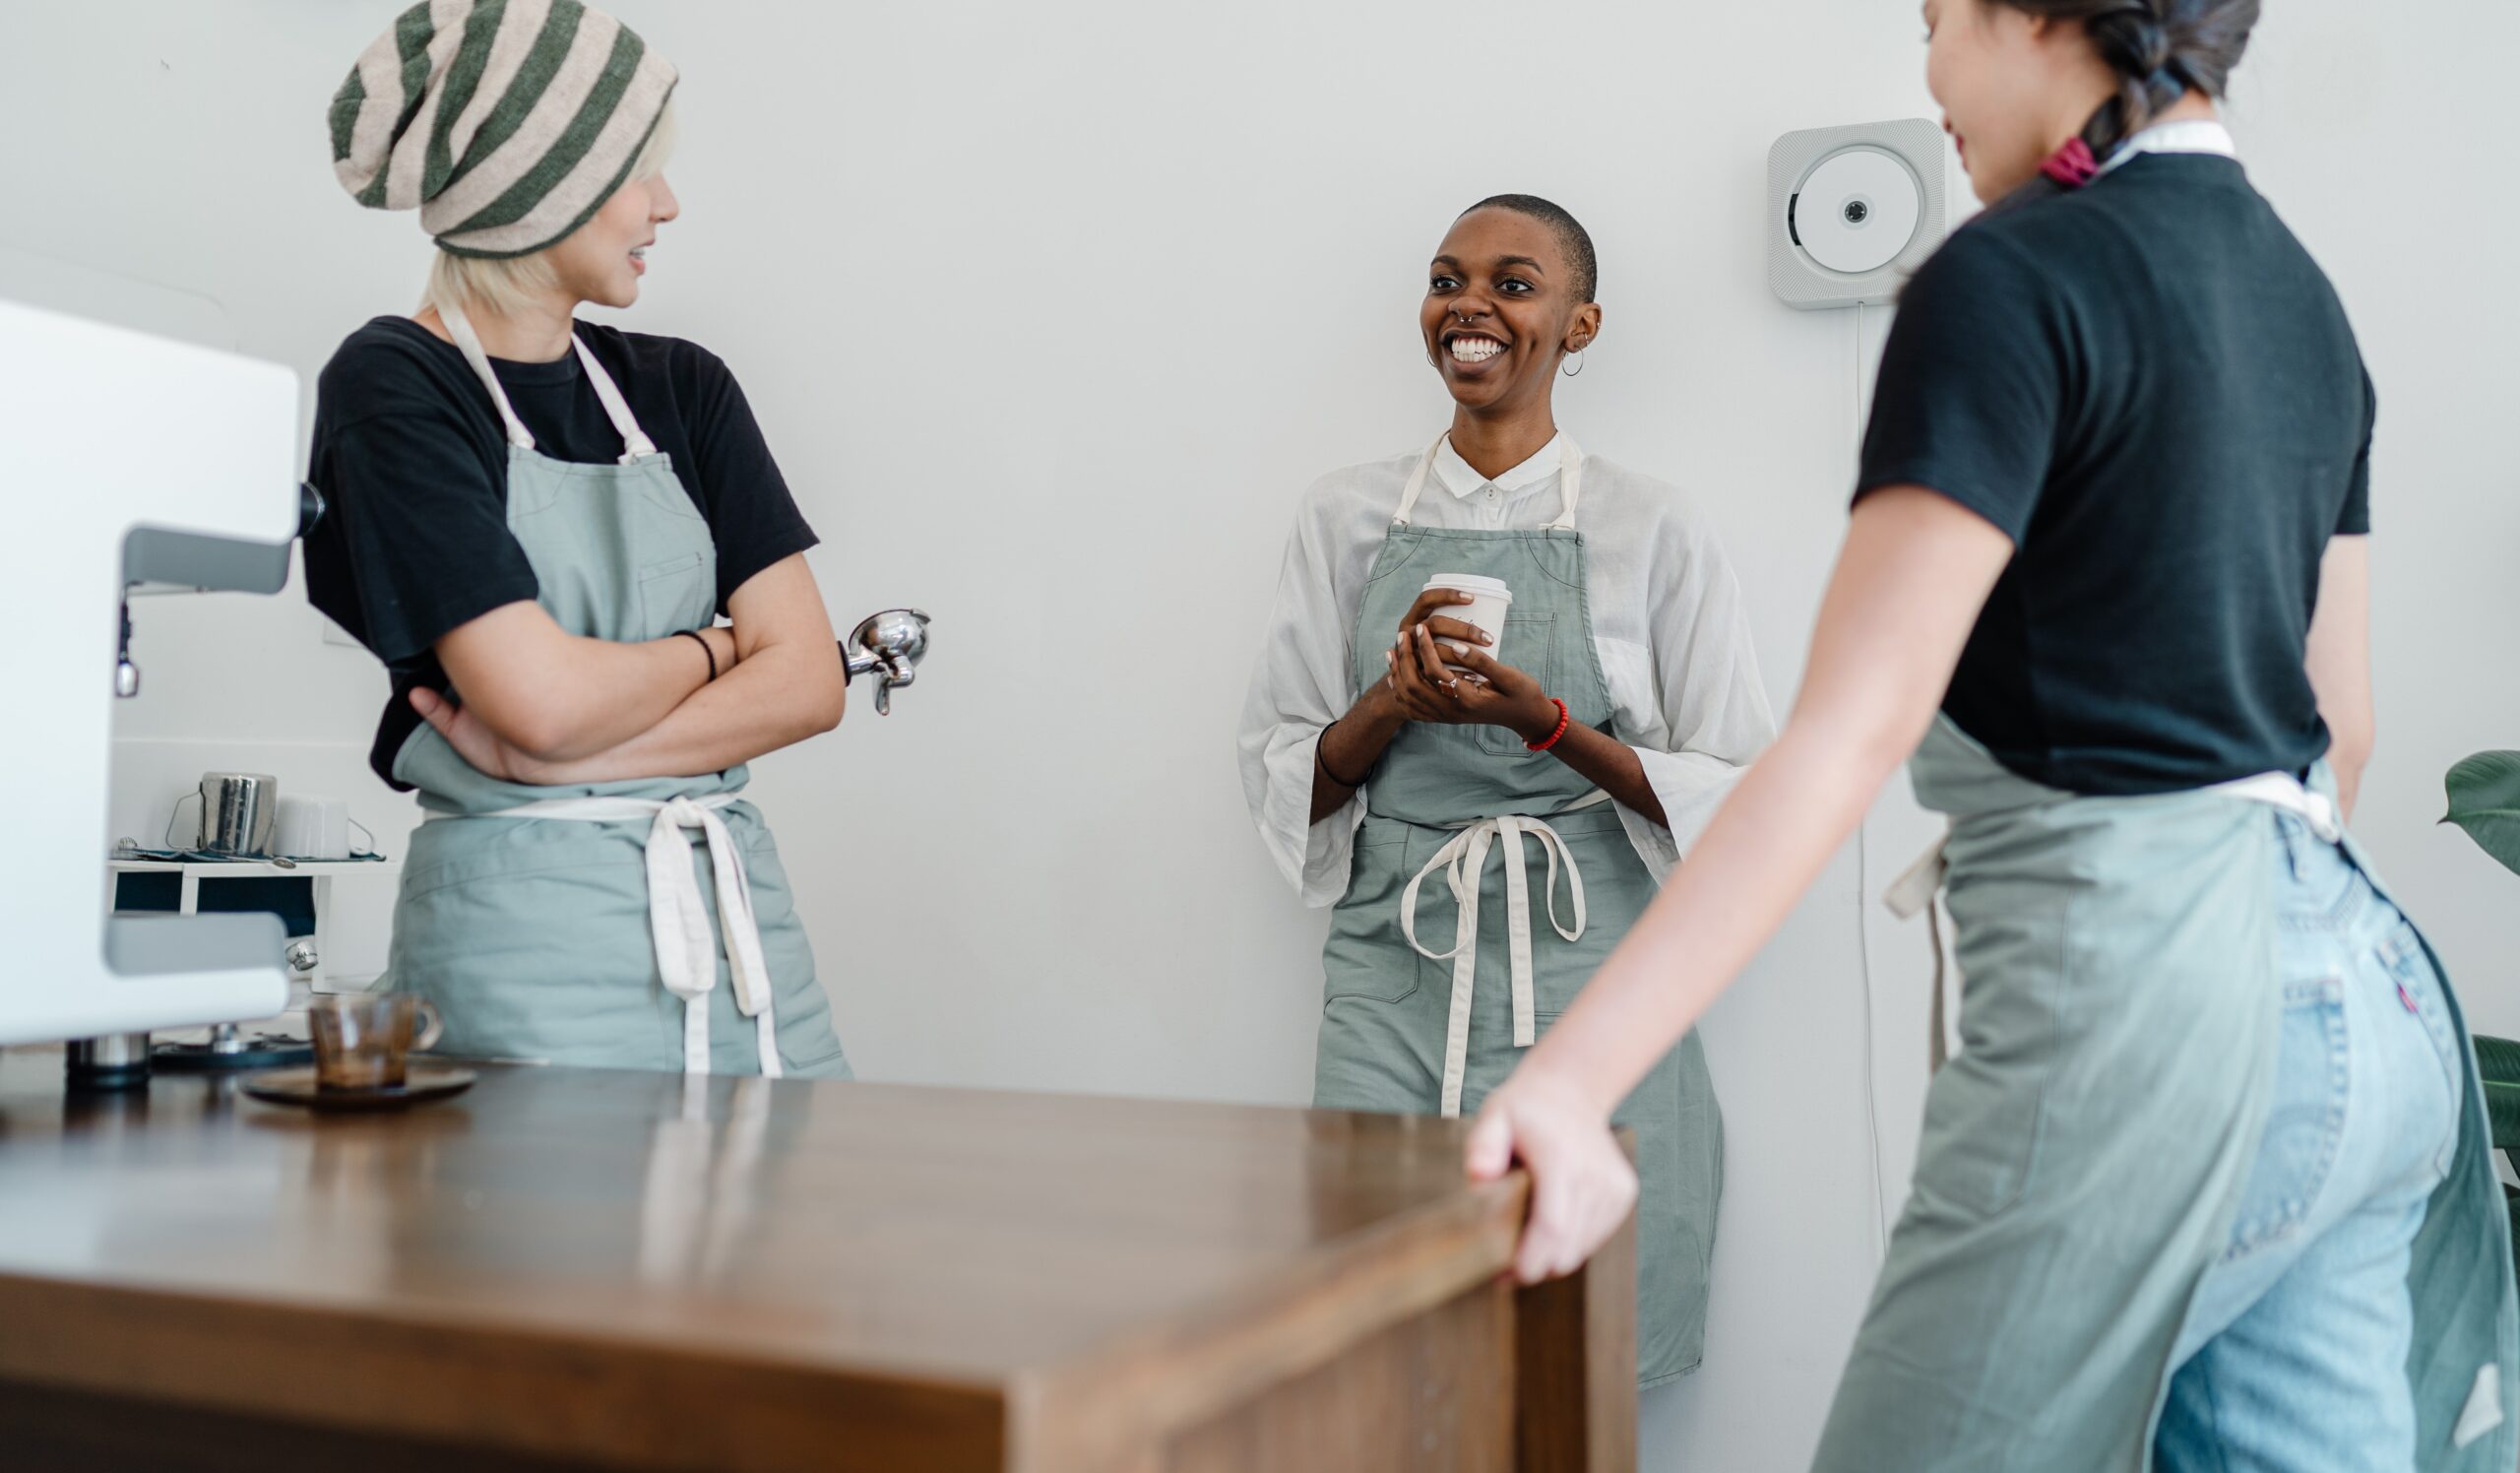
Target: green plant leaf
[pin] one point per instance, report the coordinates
(2484, 799)
(2498, 1065)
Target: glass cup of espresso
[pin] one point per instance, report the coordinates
(365, 1040)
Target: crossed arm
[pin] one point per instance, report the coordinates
(542, 706)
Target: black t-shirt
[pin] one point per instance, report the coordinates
(410, 453)
(2153, 389)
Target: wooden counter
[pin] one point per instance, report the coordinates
(577, 1270)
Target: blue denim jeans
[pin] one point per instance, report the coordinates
(2295, 1349)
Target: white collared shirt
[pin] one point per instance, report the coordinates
(1668, 624)
(2203, 135)
(1489, 503)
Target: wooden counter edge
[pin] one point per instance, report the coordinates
(1575, 1366)
(1115, 1405)
(615, 1402)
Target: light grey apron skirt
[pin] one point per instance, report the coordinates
(1525, 871)
(582, 925)
(2084, 1153)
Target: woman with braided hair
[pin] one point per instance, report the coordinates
(2207, 1184)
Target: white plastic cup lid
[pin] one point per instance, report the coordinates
(1472, 583)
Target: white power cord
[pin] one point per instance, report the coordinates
(1863, 917)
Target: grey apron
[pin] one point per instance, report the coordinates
(574, 924)
(2084, 1155)
(1452, 814)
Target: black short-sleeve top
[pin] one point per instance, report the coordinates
(411, 455)
(2153, 389)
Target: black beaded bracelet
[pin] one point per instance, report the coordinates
(696, 637)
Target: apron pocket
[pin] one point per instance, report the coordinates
(544, 963)
(675, 593)
(1985, 1111)
(1530, 645)
(1980, 1131)
(1367, 954)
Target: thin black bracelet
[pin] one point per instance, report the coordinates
(694, 636)
(1324, 763)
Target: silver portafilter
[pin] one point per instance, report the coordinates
(890, 645)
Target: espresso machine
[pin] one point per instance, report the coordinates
(134, 462)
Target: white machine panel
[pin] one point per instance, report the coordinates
(109, 429)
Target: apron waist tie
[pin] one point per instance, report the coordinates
(1920, 888)
(1464, 859)
(677, 914)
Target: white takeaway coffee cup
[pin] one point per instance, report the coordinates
(1486, 612)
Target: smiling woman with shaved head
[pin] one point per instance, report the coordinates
(1505, 685)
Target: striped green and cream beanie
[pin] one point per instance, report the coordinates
(506, 122)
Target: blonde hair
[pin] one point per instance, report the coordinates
(505, 286)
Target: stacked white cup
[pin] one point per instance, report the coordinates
(312, 828)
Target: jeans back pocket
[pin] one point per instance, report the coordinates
(2305, 1118)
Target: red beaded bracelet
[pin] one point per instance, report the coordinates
(1564, 719)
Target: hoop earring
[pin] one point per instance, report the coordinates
(1574, 365)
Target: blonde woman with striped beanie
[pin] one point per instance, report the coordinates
(538, 525)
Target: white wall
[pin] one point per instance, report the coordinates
(1051, 314)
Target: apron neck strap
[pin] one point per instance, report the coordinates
(1570, 481)
(468, 342)
(1417, 480)
(635, 443)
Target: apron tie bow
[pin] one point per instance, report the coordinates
(678, 914)
(1463, 861)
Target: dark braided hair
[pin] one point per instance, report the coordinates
(1571, 236)
(2159, 48)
